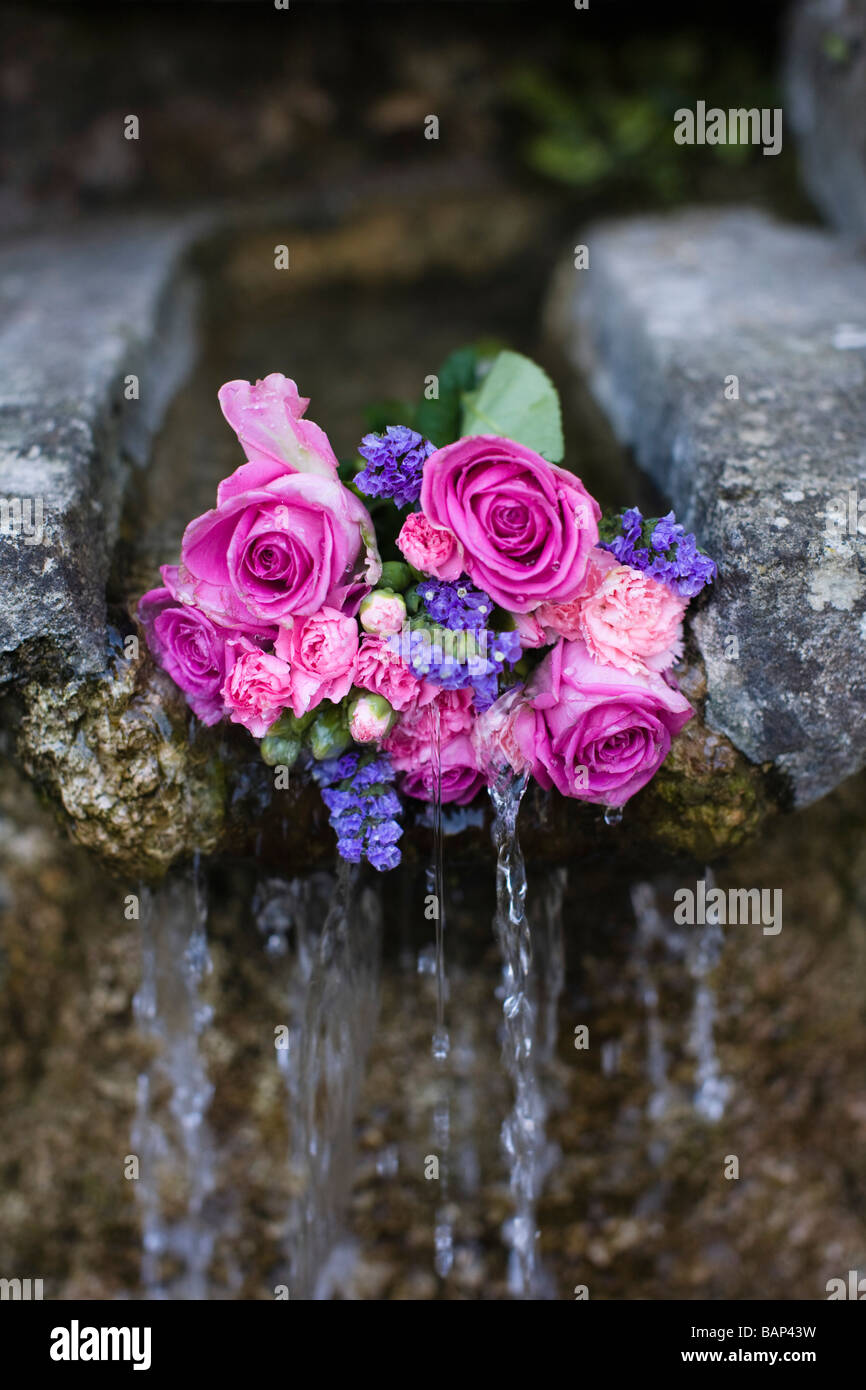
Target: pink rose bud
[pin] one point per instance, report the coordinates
(430, 549)
(383, 613)
(370, 718)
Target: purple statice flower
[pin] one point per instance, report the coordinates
(664, 550)
(461, 658)
(395, 463)
(455, 603)
(363, 807)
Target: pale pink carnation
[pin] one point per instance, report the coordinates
(633, 621)
(257, 688)
(563, 619)
(430, 549)
(494, 734)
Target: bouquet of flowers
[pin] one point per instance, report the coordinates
(446, 605)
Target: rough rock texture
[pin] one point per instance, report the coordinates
(77, 317)
(826, 104)
(669, 313)
(114, 752)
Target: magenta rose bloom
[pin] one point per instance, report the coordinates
(595, 732)
(525, 527)
(460, 779)
(278, 552)
(188, 646)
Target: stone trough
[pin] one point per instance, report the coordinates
(668, 312)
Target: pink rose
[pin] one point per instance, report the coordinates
(531, 630)
(594, 732)
(458, 776)
(189, 647)
(384, 672)
(526, 526)
(258, 687)
(563, 619)
(633, 621)
(430, 549)
(278, 552)
(382, 612)
(410, 741)
(321, 651)
(267, 419)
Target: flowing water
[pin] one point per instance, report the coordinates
(325, 932)
(173, 1143)
(523, 1133)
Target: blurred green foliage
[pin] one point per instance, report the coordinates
(604, 117)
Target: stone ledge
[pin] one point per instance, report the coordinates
(669, 309)
(115, 303)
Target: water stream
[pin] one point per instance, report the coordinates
(523, 1132)
(173, 1142)
(327, 932)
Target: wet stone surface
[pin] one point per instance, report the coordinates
(729, 352)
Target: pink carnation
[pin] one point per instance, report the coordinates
(410, 742)
(633, 621)
(321, 651)
(430, 549)
(563, 619)
(370, 718)
(258, 687)
(495, 734)
(383, 671)
(382, 612)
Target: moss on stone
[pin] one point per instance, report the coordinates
(114, 755)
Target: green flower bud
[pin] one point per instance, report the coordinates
(278, 751)
(291, 725)
(396, 575)
(328, 735)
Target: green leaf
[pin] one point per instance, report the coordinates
(518, 401)
(439, 420)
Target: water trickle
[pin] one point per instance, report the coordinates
(443, 1232)
(613, 815)
(523, 1135)
(329, 934)
(650, 935)
(175, 1149)
(553, 960)
(712, 1090)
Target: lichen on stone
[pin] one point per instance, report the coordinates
(114, 753)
